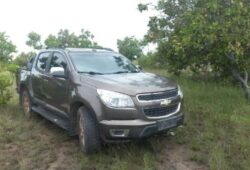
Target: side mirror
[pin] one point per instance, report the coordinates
(139, 67)
(57, 72)
(29, 66)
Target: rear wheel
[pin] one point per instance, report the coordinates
(26, 104)
(88, 132)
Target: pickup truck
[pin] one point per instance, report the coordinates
(99, 95)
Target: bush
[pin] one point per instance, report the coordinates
(148, 61)
(6, 80)
(22, 59)
(5, 83)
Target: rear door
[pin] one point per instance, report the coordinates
(38, 75)
(57, 88)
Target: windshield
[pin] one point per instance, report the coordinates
(101, 63)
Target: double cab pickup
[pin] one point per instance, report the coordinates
(99, 95)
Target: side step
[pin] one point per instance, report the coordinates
(61, 121)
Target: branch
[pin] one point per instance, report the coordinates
(236, 73)
(245, 76)
(244, 80)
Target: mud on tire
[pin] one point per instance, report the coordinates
(88, 132)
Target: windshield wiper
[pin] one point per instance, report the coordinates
(120, 72)
(90, 72)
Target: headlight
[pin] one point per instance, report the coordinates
(180, 93)
(114, 99)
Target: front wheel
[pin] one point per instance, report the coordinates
(88, 132)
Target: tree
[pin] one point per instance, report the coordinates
(6, 48)
(66, 39)
(197, 34)
(63, 39)
(52, 42)
(130, 47)
(34, 40)
(22, 59)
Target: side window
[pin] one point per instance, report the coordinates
(31, 60)
(42, 61)
(30, 63)
(58, 60)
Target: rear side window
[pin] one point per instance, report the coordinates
(58, 60)
(42, 61)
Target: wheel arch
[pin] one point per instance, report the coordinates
(74, 106)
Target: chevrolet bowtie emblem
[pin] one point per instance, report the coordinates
(165, 102)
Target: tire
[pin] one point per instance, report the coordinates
(88, 132)
(26, 104)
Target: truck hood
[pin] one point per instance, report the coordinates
(130, 83)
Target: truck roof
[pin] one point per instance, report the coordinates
(80, 49)
(89, 49)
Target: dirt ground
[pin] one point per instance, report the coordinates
(173, 157)
(39, 144)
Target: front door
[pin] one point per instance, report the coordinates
(57, 88)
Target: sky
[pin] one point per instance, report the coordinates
(107, 20)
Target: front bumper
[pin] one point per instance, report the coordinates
(134, 129)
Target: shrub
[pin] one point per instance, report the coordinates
(5, 83)
(22, 59)
(149, 61)
(6, 80)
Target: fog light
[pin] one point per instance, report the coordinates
(119, 132)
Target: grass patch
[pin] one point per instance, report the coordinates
(215, 135)
(217, 124)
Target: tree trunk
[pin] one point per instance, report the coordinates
(243, 79)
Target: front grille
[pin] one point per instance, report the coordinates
(158, 96)
(160, 111)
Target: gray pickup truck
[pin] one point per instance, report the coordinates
(98, 95)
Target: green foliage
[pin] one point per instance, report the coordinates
(34, 40)
(6, 48)
(5, 94)
(130, 47)
(6, 80)
(142, 7)
(22, 59)
(12, 68)
(197, 34)
(217, 123)
(52, 41)
(148, 61)
(65, 38)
